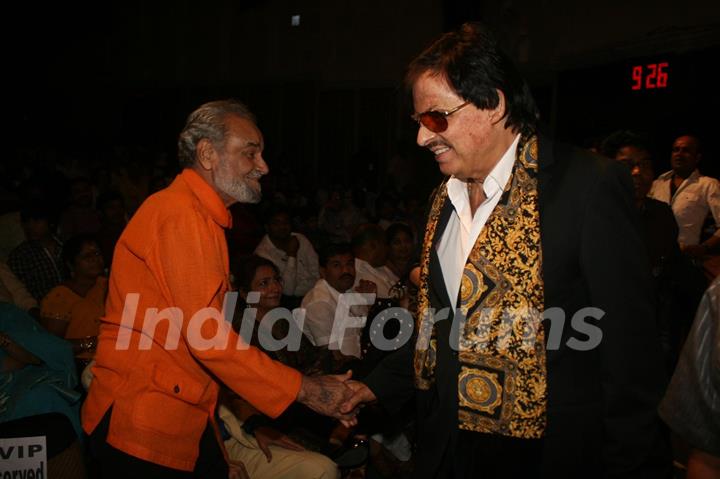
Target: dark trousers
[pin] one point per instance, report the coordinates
(471, 455)
(113, 463)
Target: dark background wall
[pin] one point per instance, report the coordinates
(85, 78)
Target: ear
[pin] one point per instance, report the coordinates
(206, 155)
(498, 113)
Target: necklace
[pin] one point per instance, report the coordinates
(472, 182)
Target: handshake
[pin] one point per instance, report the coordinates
(336, 396)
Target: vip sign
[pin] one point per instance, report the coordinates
(23, 458)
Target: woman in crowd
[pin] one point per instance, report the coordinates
(72, 310)
(38, 395)
(258, 442)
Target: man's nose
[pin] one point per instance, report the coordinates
(423, 135)
(261, 166)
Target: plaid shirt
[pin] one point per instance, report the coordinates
(38, 269)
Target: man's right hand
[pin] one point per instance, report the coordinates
(326, 394)
(366, 287)
(361, 395)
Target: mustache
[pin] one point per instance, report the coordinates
(347, 276)
(435, 143)
(254, 174)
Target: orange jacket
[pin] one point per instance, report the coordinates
(173, 254)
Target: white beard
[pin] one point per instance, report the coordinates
(236, 188)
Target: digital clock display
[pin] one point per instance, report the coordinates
(650, 76)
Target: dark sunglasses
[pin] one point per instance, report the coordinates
(434, 120)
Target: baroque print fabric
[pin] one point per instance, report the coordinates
(502, 380)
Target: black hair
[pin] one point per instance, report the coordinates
(620, 139)
(72, 248)
(333, 249)
(275, 210)
(245, 267)
(476, 68)
(396, 228)
(367, 232)
(37, 211)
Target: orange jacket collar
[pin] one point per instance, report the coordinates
(207, 196)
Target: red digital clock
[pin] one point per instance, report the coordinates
(650, 76)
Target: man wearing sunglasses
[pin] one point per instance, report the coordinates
(521, 226)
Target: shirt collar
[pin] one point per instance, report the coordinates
(207, 197)
(669, 174)
(334, 293)
(495, 181)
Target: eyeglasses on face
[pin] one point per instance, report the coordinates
(435, 120)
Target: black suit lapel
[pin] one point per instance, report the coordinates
(437, 281)
(546, 160)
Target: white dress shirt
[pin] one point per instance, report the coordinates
(463, 228)
(298, 274)
(696, 196)
(320, 305)
(383, 277)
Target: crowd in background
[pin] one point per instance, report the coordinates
(61, 217)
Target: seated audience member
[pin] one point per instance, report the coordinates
(308, 226)
(265, 453)
(37, 391)
(73, 309)
(292, 253)
(255, 440)
(11, 233)
(414, 211)
(255, 274)
(354, 212)
(691, 195)
(400, 244)
(386, 211)
(31, 191)
(80, 217)
(691, 406)
(14, 292)
(113, 221)
(331, 220)
(36, 261)
(371, 253)
(337, 271)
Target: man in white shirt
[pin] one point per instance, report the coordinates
(691, 196)
(291, 252)
(323, 303)
(521, 225)
(370, 249)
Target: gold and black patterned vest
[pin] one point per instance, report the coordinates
(502, 382)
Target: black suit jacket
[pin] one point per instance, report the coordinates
(601, 418)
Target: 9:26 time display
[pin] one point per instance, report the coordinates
(650, 76)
